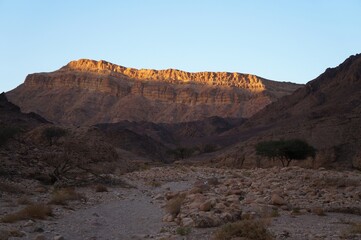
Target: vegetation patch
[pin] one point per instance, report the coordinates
(183, 231)
(34, 211)
(285, 150)
(101, 188)
(63, 195)
(51, 134)
(10, 188)
(244, 229)
(174, 205)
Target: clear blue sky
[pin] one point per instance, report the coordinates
(285, 40)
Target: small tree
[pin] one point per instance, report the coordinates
(285, 150)
(53, 133)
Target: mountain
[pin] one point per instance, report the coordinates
(326, 112)
(87, 92)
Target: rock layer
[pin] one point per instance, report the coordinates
(87, 92)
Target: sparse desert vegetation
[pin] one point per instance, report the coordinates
(33, 211)
(63, 195)
(244, 229)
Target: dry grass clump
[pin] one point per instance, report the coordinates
(155, 184)
(10, 188)
(174, 205)
(244, 229)
(318, 211)
(183, 231)
(101, 188)
(356, 228)
(63, 195)
(24, 200)
(34, 211)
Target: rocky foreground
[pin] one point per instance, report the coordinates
(181, 202)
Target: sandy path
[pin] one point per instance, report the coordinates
(135, 215)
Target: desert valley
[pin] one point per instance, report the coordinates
(95, 150)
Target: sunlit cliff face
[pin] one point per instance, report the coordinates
(244, 81)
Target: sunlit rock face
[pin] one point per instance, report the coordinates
(88, 92)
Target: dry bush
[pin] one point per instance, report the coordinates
(34, 211)
(101, 188)
(174, 205)
(154, 183)
(356, 228)
(10, 188)
(244, 229)
(24, 200)
(183, 231)
(63, 195)
(318, 211)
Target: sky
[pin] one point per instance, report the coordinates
(283, 40)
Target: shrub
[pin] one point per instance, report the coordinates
(101, 188)
(181, 152)
(356, 228)
(208, 148)
(318, 211)
(24, 201)
(183, 231)
(6, 133)
(63, 195)
(155, 184)
(285, 150)
(34, 211)
(174, 205)
(53, 133)
(247, 229)
(10, 188)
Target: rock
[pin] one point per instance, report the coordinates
(40, 189)
(168, 218)
(206, 220)
(206, 206)
(29, 223)
(40, 237)
(58, 237)
(159, 197)
(187, 222)
(277, 200)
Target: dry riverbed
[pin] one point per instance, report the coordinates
(178, 202)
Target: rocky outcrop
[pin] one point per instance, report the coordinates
(88, 92)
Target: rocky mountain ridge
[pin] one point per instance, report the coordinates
(87, 92)
(325, 112)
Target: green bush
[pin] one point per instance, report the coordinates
(285, 150)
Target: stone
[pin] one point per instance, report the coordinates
(159, 197)
(168, 218)
(187, 222)
(58, 237)
(277, 200)
(29, 223)
(40, 237)
(206, 206)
